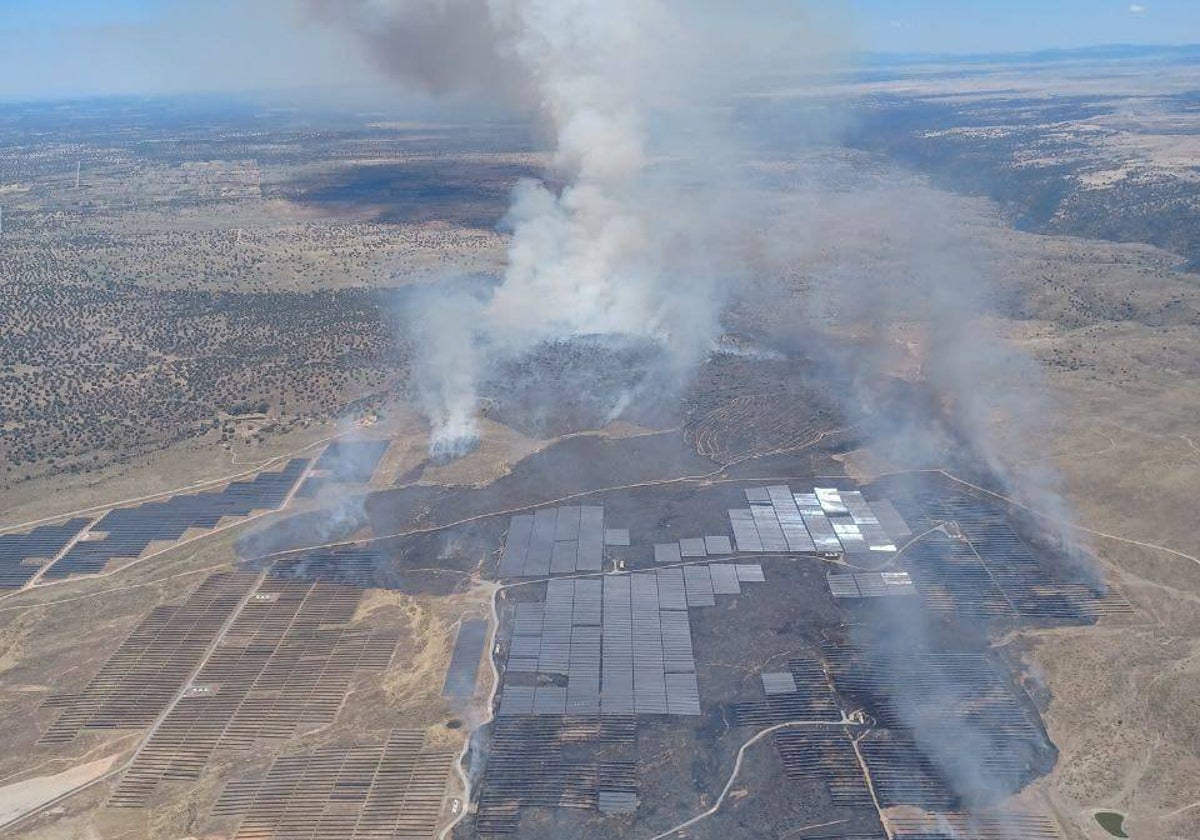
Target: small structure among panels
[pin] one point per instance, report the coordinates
(553, 541)
(826, 521)
(22, 555)
(363, 791)
(126, 532)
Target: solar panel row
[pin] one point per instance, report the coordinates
(149, 668)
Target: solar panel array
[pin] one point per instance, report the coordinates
(825, 521)
(994, 573)
(620, 651)
(557, 762)
(349, 565)
(360, 792)
(869, 584)
(970, 696)
(692, 547)
(809, 698)
(975, 826)
(352, 460)
(22, 555)
(616, 536)
(825, 754)
(614, 645)
(902, 774)
(965, 686)
(555, 541)
(150, 667)
(128, 531)
(463, 670)
(285, 665)
(345, 461)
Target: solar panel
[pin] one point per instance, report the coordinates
(541, 543)
(890, 519)
(724, 579)
(563, 557)
(567, 523)
(698, 584)
(693, 547)
(744, 530)
(591, 538)
(750, 573)
(778, 683)
(667, 553)
(718, 545)
(616, 536)
(463, 670)
(352, 460)
(671, 593)
(516, 546)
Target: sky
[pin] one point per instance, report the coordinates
(57, 48)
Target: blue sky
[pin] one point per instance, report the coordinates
(79, 47)
(973, 26)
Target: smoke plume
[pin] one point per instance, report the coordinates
(624, 248)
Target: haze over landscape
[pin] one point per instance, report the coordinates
(562, 418)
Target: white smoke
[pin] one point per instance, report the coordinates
(614, 251)
(446, 369)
